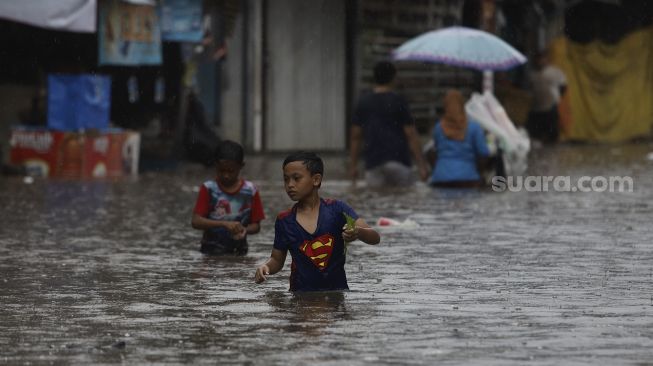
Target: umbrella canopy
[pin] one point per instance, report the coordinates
(461, 46)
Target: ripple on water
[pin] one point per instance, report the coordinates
(482, 278)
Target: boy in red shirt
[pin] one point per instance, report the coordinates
(229, 207)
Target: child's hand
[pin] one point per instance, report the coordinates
(241, 235)
(235, 228)
(349, 234)
(261, 273)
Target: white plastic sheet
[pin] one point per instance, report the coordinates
(66, 15)
(515, 145)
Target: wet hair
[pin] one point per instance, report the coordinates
(229, 150)
(312, 162)
(384, 72)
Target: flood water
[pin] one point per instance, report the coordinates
(110, 273)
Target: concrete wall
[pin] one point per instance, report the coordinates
(233, 88)
(305, 75)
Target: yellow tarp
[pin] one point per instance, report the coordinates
(610, 88)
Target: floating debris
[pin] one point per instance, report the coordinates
(386, 221)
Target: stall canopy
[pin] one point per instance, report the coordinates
(64, 15)
(610, 88)
(607, 55)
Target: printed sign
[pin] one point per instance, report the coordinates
(128, 34)
(181, 20)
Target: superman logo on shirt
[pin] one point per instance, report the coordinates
(318, 250)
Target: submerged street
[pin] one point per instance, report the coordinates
(107, 272)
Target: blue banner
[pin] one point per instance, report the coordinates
(77, 102)
(181, 20)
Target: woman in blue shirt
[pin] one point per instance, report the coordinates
(459, 145)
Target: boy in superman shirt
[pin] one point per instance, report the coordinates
(313, 230)
(229, 207)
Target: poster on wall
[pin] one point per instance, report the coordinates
(129, 34)
(181, 20)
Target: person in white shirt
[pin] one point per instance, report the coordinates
(548, 83)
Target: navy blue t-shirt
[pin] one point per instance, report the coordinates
(318, 259)
(382, 117)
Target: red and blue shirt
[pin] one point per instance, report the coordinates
(243, 205)
(318, 258)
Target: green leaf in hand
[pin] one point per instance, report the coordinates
(350, 225)
(351, 222)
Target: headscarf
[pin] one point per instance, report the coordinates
(454, 121)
